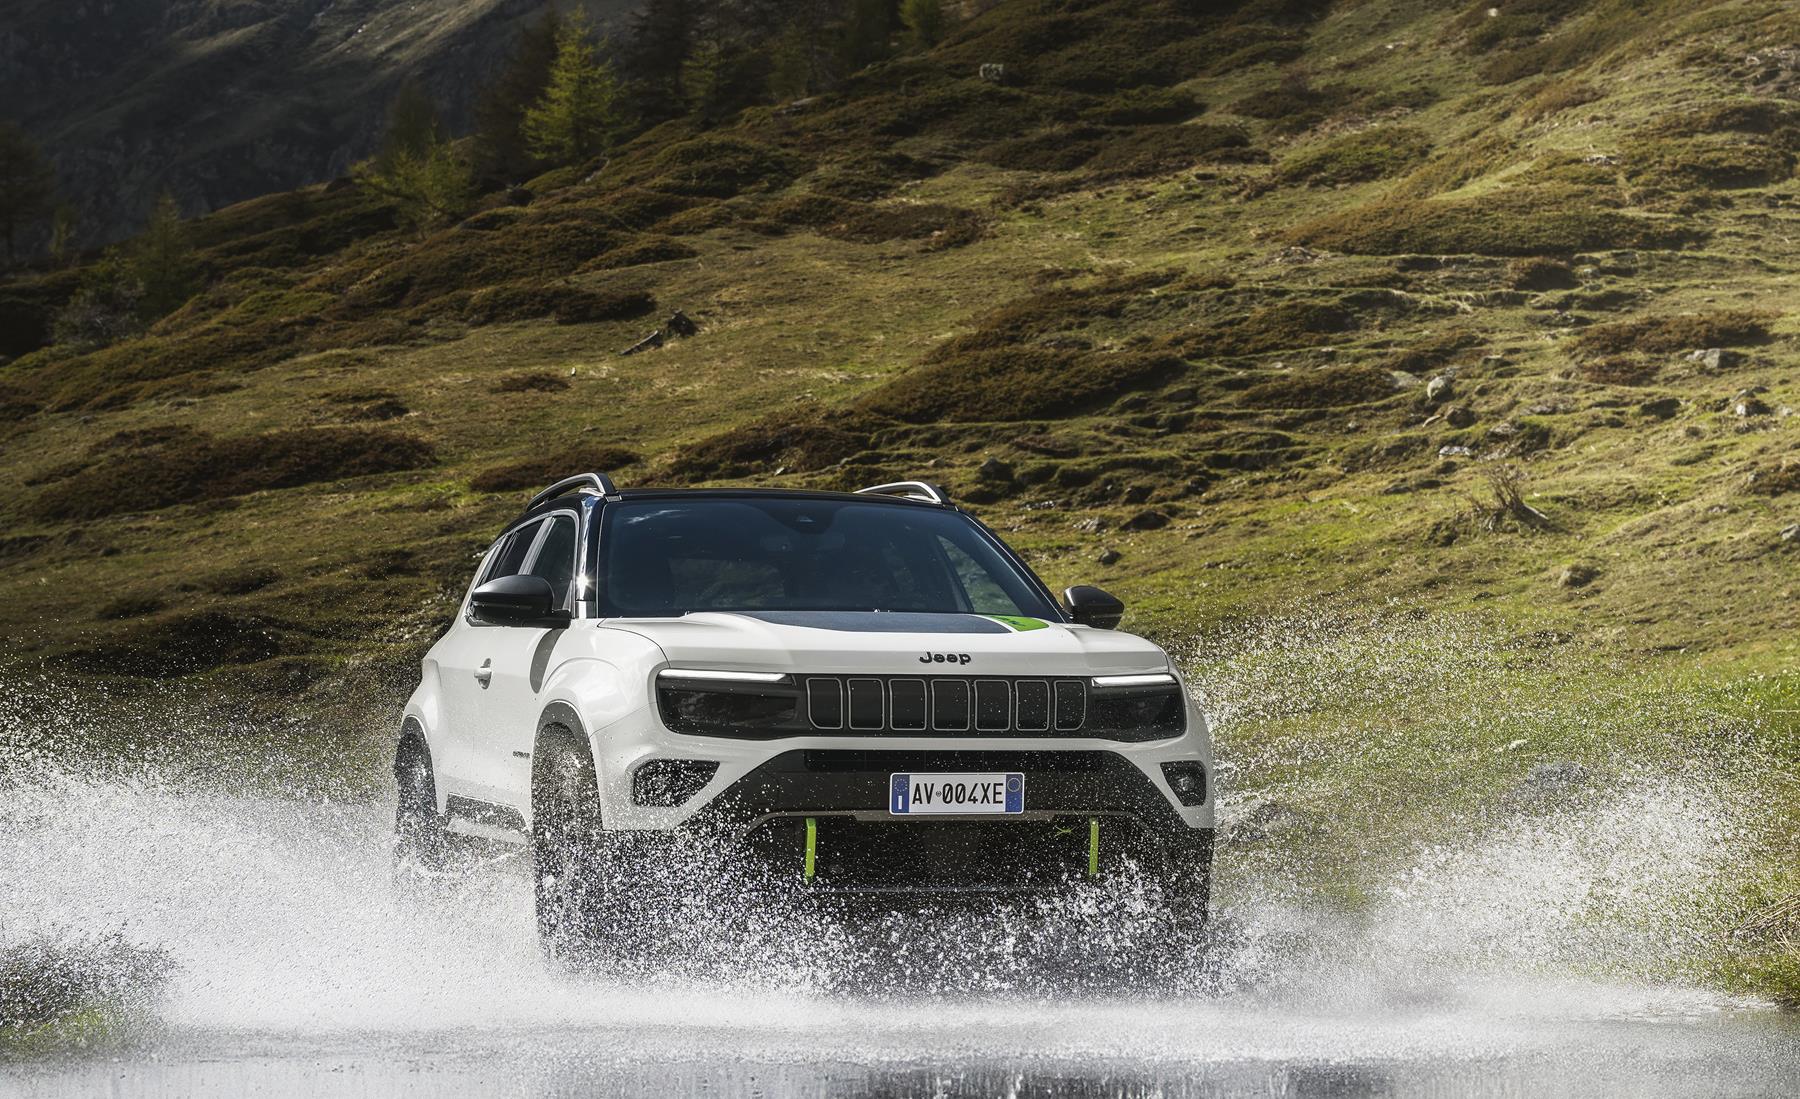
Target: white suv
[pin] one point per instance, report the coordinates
(851, 691)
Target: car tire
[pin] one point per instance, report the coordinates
(567, 847)
(421, 835)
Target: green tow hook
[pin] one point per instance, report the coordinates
(1093, 847)
(812, 846)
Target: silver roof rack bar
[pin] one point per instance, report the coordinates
(909, 490)
(599, 482)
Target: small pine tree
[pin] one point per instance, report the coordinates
(925, 20)
(579, 112)
(417, 167)
(162, 259)
(500, 152)
(27, 185)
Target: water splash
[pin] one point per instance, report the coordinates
(1522, 920)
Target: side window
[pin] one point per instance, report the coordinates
(511, 556)
(555, 560)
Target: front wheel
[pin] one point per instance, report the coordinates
(421, 838)
(565, 847)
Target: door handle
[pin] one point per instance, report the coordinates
(485, 672)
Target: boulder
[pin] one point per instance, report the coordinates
(1439, 388)
(1662, 408)
(1459, 416)
(1146, 520)
(1109, 556)
(994, 469)
(1577, 575)
(1715, 358)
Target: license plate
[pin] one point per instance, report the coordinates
(913, 794)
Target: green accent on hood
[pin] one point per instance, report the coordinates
(1018, 622)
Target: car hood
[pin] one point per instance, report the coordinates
(892, 643)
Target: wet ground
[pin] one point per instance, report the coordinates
(302, 967)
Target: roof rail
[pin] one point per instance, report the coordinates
(909, 490)
(599, 482)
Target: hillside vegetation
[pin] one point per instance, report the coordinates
(1230, 308)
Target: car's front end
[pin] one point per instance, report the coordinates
(869, 751)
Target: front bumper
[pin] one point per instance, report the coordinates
(819, 816)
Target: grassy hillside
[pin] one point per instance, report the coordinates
(1364, 308)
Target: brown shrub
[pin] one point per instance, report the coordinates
(1540, 273)
(1731, 328)
(805, 441)
(1277, 327)
(1143, 105)
(1154, 150)
(539, 472)
(719, 167)
(241, 581)
(1327, 387)
(645, 249)
(206, 467)
(1017, 383)
(1722, 162)
(1520, 222)
(1618, 370)
(529, 381)
(1058, 150)
(1775, 480)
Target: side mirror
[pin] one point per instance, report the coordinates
(517, 601)
(1089, 606)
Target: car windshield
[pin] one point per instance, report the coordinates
(675, 556)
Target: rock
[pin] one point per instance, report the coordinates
(993, 73)
(1459, 416)
(1146, 520)
(518, 196)
(994, 470)
(1791, 533)
(1093, 524)
(1455, 452)
(679, 324)
(1439, 388)
(1715, 358)
(1662, 408)
(1750, 406)
(1403, 380)
(1505, 429)
(1109, 556)
(1577, 576)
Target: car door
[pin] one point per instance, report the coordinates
(465, 669)
(521, 658)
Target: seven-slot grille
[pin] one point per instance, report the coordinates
(944, 704)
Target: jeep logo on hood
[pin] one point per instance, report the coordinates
(944, 658)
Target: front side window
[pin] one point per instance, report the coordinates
(671, 557)
(509, 558)
(555, 560)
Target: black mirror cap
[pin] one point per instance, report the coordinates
(1089, 606)
(517, 601)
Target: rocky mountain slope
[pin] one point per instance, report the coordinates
(217, 101)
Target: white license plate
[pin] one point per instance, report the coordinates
(913, 794)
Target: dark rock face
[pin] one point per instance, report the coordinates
(217, 103)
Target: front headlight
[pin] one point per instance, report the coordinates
(704, 702)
